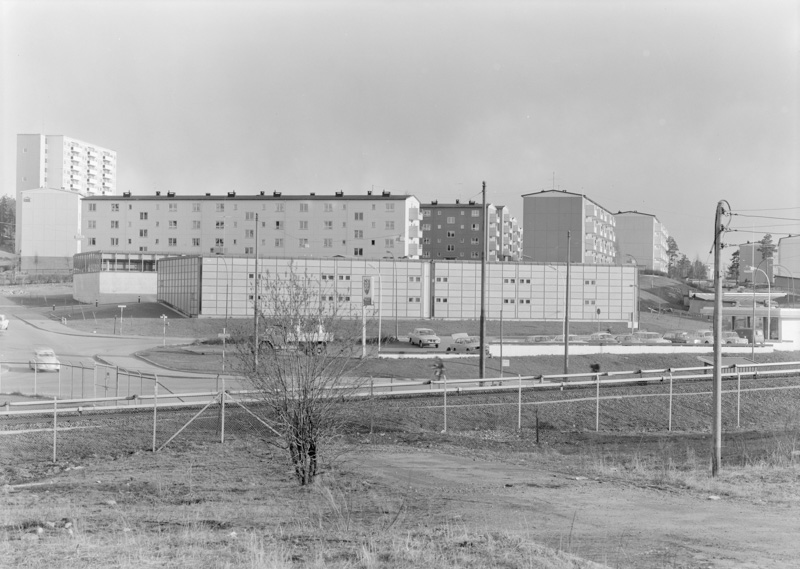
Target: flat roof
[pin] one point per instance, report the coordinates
(216, 197)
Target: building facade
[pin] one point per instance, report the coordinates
(211, 286)
(455, 232)
(643, 237)
(294, 226)
(56, 162)
(549, 215)
(750, 256)
(48, 222)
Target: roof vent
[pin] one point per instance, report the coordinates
(262, 193)
(231, 194)
(340, 193)
(435, 202)
(458, 202)
(126, 194)
(385, 193)
(208, 193)
(276, 194)
(471, 202)
(369, 192)
(158, 193)
(313, 193)
(170, 194)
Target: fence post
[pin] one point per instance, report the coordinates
(444, 377)
(82, 391)
(155, 407)
(371, 404)
(519, 404)
(35, 378)
(94, 381)
(58, 392)
(222, 412)
(71, 381)
(117, 377)
(597, 406)
(670, 401)
(738, 397)
(55, 425)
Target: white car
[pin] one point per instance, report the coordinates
(3, 322)
(731, 337)
(424, 337)
(44, 359)
(464, 343)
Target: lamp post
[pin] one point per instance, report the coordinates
(791, 275)
(636, 291)
(121, 308)
(164, 320)
(769, 308)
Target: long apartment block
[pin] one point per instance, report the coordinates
(270, 225)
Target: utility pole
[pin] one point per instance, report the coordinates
(255, 303)
(566, 311)
(716, 457)
(482, 368)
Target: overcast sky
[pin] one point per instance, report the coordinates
(660, 107)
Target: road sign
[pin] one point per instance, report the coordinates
(223, 336)
(122, 306)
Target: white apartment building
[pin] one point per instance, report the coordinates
(643, 237)
(56, 162)
(549, 215)
(291, 226)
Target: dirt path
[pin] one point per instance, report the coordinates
(609, 522)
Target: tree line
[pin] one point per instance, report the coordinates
(8, 221)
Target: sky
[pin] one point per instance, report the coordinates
(663, 107)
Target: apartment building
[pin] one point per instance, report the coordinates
(56, 162)
(290, 226)
(644, 238)
(455, 232)
(750, 256)
(550, 214)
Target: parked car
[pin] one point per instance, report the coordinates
(627, 339)
(603, 338)
(650, 338)
(748, 333)
(424, 337)
(731, 337)
(3, 322)
(573, 339)
(678, 337)
(539, 339)
(44, 359)
(280, 338)
(463, 342)
(703, 336)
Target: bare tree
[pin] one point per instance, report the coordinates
(305, 366)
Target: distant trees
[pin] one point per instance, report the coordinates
(733, 267)
(8, 219)
(766, 247)
(673, 254)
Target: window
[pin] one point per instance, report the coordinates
(426, 240)
(220, 224)
(388, 243)
(328, 224)
(143, 215)
(114, 207)
(476, 213)
(373, 207)
(279, 206)
(589, 282)
(413, 279)
(92, 241)
(359, 216)
(250, 216)
(344, 277)
(441, 279)
(441, 299)
(195, 207)
(475, 240)
(303, 225)
(248, 250)
(589, 302)
(143, 233)
(303, 208)
(413, 299)
(476, 226)
(343, 298)
(327, 277)
(195, 241)
(327, 243)
(196, 224)
(219, 242)
(114, 241)
(142, 249)
(524, 300)
(92, 207)
(358, 234)
(451, 220)
(220, 207)
(358, 252)
(389, 207)
(438, 212)
(475, 255)
(279, 242)
(278, 225)
(91, 224)
(249, 233)
(173, 224)
(426, 254)
(328, 207)
(451, 247)
(451, 233)
(426, 226)
(426, 213)
(173, 207)
(303, 243)
(172, 242)
(344, 207)
(390, 225)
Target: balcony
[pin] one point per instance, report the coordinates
(413, 232)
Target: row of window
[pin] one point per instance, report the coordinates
(279, 207)
(473, 213)
(427, 227)
(472, 255)
(249, 233)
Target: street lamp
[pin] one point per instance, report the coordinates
(394, 292)
(121, 308)
(636, 291)
(791, 275)
(164, 319)
(769, 307)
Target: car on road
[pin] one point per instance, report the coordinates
(602, 338)
(627, 339)
(3, 322)
(731, 337)
(650, 338)
(678, 337)
(44, 359)
(424, 337)
(573, 339)
(748, 333)
(703, 336)
(463, 342)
